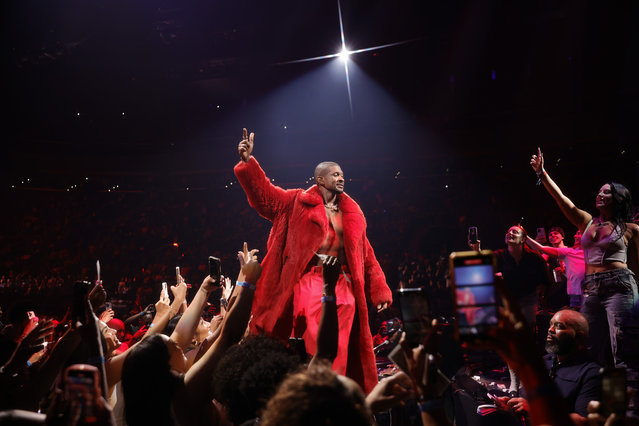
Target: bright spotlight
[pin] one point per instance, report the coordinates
(344, 54)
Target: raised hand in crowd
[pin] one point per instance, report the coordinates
(29, 345)
(227, 290)
(31, 324)
(97, 296)
(162, 306)
(107, 315)
(185, 328)
(327, 331)
(197, 390)
(245, 256)
(179, 290)
(537, 162)
(248, 266)
(161, 317)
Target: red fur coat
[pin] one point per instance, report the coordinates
(299, 227)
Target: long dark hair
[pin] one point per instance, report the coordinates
(622, 208)
(148, 383)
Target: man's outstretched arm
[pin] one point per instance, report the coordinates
(263, 196)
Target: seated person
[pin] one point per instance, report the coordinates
(574, 374)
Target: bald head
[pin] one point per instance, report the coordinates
(329, 178)
(322, 168)
(567, 334)
(575, 320)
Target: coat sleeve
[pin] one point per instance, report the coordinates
(377, 290)
(267, 199)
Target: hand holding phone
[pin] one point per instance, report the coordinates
(82, 388)
(473, 235)
(215, 269)
(473, 278)
(165, 290)
(415, 310)
(420, 364)
(541, 236)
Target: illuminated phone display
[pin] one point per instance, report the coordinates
(474, 292)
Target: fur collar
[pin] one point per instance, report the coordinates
(313, 197)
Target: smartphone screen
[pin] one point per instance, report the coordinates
(177, 274)
(415, 310)
(475, 299)
(613, 391)
(82, 387)
(215, 268)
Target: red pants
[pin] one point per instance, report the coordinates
(307, 307)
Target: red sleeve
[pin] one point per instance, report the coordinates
(377, 290)
(269, 200)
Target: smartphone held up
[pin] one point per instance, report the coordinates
(82, 387)
(473, 237)
(215, 268)
(474, 295)
(415, 310)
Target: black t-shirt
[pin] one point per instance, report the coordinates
(524, 277)
(578, 381)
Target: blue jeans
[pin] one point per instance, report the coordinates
(611, 308)
(575, 300)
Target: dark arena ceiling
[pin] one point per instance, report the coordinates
(119, 86)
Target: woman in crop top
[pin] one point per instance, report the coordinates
(610, 287)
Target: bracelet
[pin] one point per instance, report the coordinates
(330, 299)
(28, 363)
(540, 175)
(431, 405)
(245, 284)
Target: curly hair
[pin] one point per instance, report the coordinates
(249, 374)
(318, 397)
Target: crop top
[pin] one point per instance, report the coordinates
(611, 248)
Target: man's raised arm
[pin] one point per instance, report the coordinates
(263, 196)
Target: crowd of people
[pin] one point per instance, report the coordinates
(124, 351)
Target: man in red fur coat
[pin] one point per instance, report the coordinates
(308, 224)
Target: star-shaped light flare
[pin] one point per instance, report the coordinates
(344, 54)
